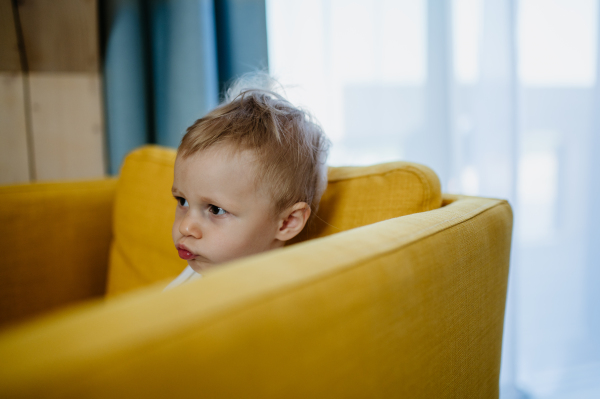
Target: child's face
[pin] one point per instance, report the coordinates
(220, 213)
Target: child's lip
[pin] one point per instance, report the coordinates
(185, 253)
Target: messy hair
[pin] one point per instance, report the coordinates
(290, 146)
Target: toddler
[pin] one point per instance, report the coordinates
(248, 177)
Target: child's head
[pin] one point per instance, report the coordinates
(248, 176)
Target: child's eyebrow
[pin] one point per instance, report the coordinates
(174, 190)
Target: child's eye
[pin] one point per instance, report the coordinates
(215, 210)
(182, 201)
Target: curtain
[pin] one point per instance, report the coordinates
(165, 62)
(502, 99)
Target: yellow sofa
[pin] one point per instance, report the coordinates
(406, 299)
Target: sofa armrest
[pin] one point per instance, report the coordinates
(54, 245)
(410, 307)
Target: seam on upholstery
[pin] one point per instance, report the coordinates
(426, 194)
(419, 174)
(244, 306)
(427, 190)
(402, 166)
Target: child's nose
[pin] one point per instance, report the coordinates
(190, 226)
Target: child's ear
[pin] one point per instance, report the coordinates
(292, 221)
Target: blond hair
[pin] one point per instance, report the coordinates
(290, 146)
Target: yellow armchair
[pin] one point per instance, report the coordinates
(411, 304)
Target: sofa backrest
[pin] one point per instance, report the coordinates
(142, 250)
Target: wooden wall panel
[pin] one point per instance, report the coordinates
(9, 48)
(14, 159)
(66, 116)
(51, 116)
(60, 35)
(67, 124)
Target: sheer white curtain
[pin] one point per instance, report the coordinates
(502, 99)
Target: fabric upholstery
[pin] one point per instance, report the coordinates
(358, 196)
(54, 246)
(408, 307)
(142, 251)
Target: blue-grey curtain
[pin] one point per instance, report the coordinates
(165, 62)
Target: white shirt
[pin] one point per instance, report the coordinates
(188, 274)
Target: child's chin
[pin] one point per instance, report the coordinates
(200, 266)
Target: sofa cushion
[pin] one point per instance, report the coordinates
(358, 196)
(142, 251)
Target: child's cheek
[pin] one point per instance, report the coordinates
(225, 246)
